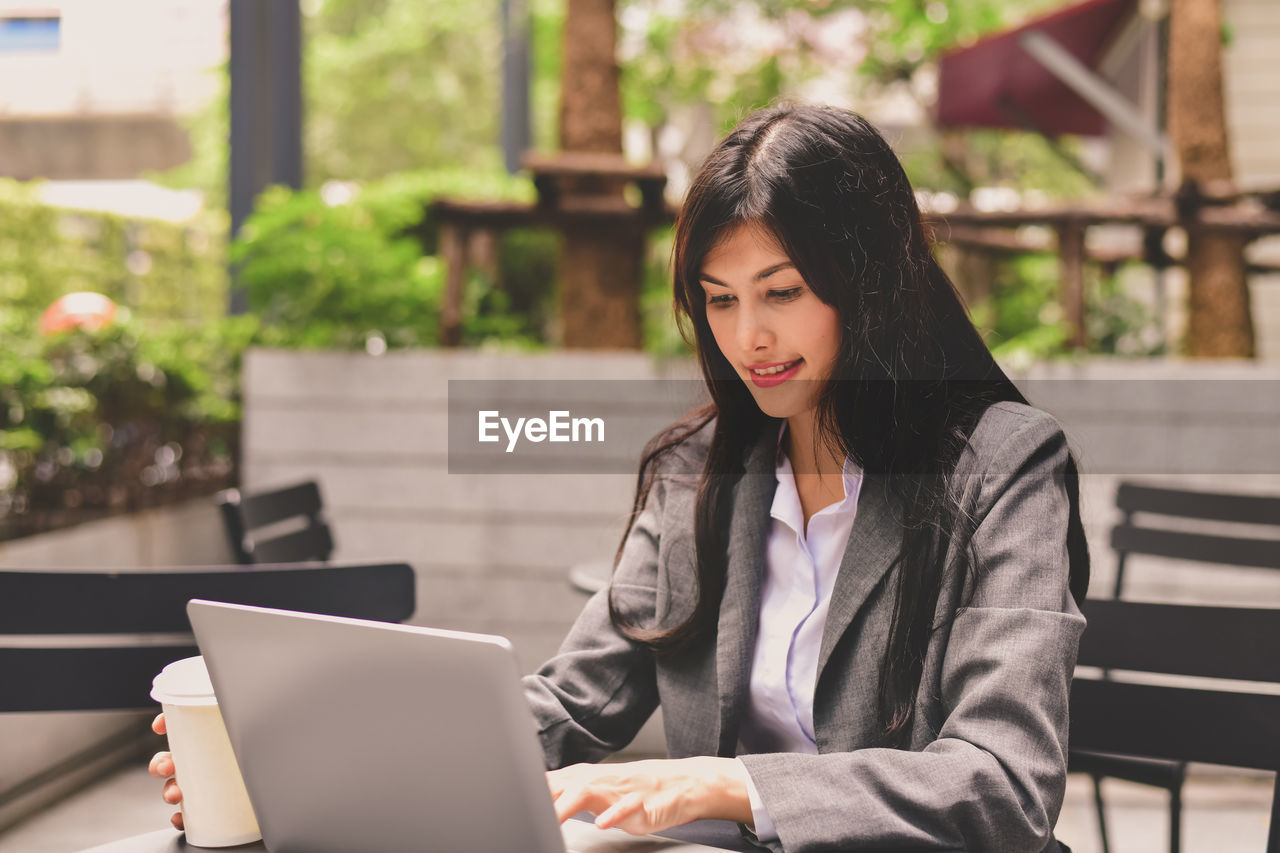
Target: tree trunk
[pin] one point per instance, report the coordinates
(1220, 323)
(601, 262)
(590, 101)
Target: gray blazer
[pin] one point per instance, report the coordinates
(986, 767)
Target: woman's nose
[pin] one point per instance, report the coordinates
(753, 332)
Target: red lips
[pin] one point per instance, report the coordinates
(773, 379)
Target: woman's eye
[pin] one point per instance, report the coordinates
(720, 299)
(786, 295)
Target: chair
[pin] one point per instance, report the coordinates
(1181, 724)
(1136, 534)
(281, 526)
(114, 672)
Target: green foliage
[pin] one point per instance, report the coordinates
(399, 85)
(141, 412)
(322, 274)
(1118, 324)
(389, 86)
(1022, 160)
(660, 333)
(99, 422)
(1022, 320)
(526, 300)
(158, 270)
(546, 36)
(209, 131)
(692, 56)
(905, 34)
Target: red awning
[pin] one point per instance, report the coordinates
(995, 83)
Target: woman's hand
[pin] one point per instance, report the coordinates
(643, 797)
(162, 767)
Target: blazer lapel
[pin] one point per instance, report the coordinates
(740, 604)
(873, 543)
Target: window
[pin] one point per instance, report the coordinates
(30, 34)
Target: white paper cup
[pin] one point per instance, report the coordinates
(215, 806)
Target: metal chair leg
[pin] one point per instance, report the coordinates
(1175, 820)
(1102, 817)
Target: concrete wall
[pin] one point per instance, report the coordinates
(492, 550)
(45, 756)
(188, 534)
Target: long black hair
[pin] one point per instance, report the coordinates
(911, 379)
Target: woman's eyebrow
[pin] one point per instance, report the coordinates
(760, 276)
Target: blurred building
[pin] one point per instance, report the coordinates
(95, 90)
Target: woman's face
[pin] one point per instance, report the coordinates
(779, 336)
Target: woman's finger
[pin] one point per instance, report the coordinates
(157, 725)
(171, 794)
(577, 799)
(161, 765)
(567, 804)
(555, 783)
(176, 820)
(621, 810)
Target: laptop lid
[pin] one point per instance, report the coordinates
(359, 735)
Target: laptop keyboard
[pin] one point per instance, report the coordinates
(583, 837)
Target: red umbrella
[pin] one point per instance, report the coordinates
(78, 311)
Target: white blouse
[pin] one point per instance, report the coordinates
(801, 568)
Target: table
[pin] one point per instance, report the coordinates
(713, 833)
(722, 834)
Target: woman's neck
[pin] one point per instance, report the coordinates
(808, 453)
(818, 469)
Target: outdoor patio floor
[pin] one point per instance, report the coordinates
(1223, 813)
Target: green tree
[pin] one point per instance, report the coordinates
(390, 86)
(395, 85)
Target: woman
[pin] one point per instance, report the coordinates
(851, 580)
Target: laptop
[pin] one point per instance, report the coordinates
(355, 735)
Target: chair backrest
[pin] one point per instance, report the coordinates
(281, 526)
(1135, 534)
(127, 624)
(1231, 727)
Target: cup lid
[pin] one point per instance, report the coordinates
(184, 682)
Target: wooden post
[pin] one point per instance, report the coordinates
(453, 248)
(483, 252)
(1071, 274)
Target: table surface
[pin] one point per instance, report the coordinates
(713, 833)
